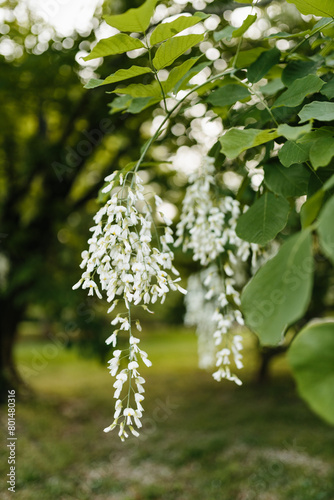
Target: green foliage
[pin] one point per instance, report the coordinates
(311, 208)
(167, 30)
(119, 76)
(328, 89)
(117, 44)
(140, 90)
(317, 110)
(226, 32)
(313, 204)
(315, 7)
(298, 90)
(279, 293)
(295, 70)
(235, 141)
(228, 94)
(178, 73)
(264, 220)
(133, 20)
(294, 152)
(173, 48)
(293, 133)
(312, 359)
(287, 183)
(259, 68)
(326, 229)
(245, 25)
(322, 151)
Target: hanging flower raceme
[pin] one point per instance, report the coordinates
(207, 224)
(208, 227)
(216, 317)
(122, 264)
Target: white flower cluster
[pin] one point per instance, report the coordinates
(121, 263)
(211, 306)
(199, 313)
(208, 227)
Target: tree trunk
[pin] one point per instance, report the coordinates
(10, 317)
(267, 354)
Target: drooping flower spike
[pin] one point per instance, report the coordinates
(208, 227)
(122, 266)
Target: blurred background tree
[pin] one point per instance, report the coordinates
(56, 145)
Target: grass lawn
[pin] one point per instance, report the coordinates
(201, 440)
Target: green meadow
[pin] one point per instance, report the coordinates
(201, 440)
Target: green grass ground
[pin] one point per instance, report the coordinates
(201, 440)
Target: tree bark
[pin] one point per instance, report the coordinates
(266, 356)
(10, 317)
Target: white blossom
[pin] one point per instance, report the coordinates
(208, 227)
(216, 317)
(126, 262)
(208, 223)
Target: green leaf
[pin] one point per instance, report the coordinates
(279, 293)
(323, 8)
(323, 111)
(311, 208)
(247, 57)
(133, 20)
(326, 229)
(174, 48)
(329, 184)
(227, 95)
(322, 151)
(272, 87)
(235, 141)
(117, 44)
(140, 90)
(328, 89)
(119, 104)
(292, 182)
(120, 75)
(177, 74)
(93, 83)
(182, 83)
(311, 357)
(226, 32)
(259, 68)
(250, 19)
(138, 104)
(294, 152)
(297, 69)
(285, 34)
(298, 90)
(167, 30)
(293, 133)
(264, 219)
